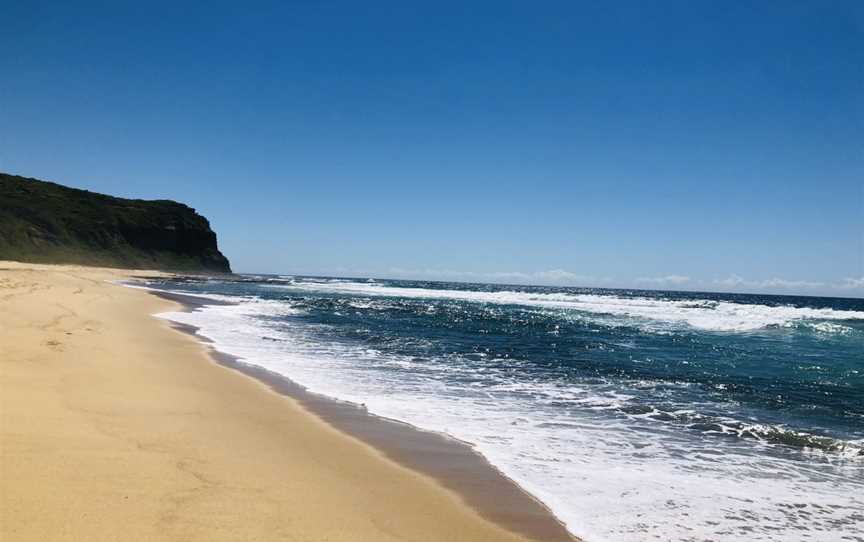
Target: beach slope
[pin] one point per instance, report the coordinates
(113, 426)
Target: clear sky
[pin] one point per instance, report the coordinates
(701, 145)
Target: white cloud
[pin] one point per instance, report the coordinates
(851, 283)
(558, 277)
(732, 281)
(775, 283)
(783, 283)
(668, 280)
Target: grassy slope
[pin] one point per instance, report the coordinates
(49, 223)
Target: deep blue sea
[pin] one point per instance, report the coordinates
(634, 415)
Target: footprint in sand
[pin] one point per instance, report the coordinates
(57, 346)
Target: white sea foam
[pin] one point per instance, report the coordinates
(700, 314)
(607, 476)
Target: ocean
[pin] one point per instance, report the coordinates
(633, 415)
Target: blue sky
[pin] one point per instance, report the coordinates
(700, 145)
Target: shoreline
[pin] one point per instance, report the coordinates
(116, 426)
(449, 461)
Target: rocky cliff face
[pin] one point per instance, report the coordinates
(49, 223)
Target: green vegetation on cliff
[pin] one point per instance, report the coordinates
(48, 223)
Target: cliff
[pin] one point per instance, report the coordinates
(49, 223)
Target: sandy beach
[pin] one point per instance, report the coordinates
(116, 427)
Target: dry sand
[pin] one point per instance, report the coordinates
(115, 427)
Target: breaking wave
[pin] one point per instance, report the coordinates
(705, 314)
